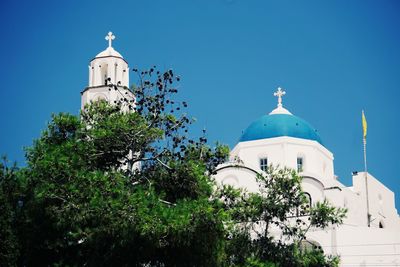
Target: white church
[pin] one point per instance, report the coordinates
(369, 236)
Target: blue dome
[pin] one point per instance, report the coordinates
(276, 125)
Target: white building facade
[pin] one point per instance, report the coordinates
(282, 139)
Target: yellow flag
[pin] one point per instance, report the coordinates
(364, 125)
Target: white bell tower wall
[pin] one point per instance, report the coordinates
(107, 68)
(112, 67)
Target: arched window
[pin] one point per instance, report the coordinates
(304, 210)
(309, 200)
(104, 75)
(381, 225)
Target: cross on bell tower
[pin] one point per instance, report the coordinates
(279, 94)
(110, 37)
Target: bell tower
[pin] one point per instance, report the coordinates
(108, 67)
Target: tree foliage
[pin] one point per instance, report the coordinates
(10, 209)
(124, 185)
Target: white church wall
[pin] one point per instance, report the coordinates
(284, 151)
(252, 151)
(381, 201)
(359, 246)
(103, 92)
(313, 187)
(108, 67)
(316, 162)
(239, 177)
(326, 239)
(364, 246)
(338, 195)
(356, 210)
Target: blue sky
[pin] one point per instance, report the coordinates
(333, 58)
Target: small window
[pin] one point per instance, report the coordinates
(300, 164)
(264, 164)
(381, 224)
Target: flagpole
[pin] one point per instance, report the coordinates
(365, 166)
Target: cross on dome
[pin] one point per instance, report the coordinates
(280, 109)
(110, 36)
(279, 94)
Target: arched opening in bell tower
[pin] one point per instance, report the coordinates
(104, 74)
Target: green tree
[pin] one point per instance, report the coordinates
(90, 204)
(124, 185)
